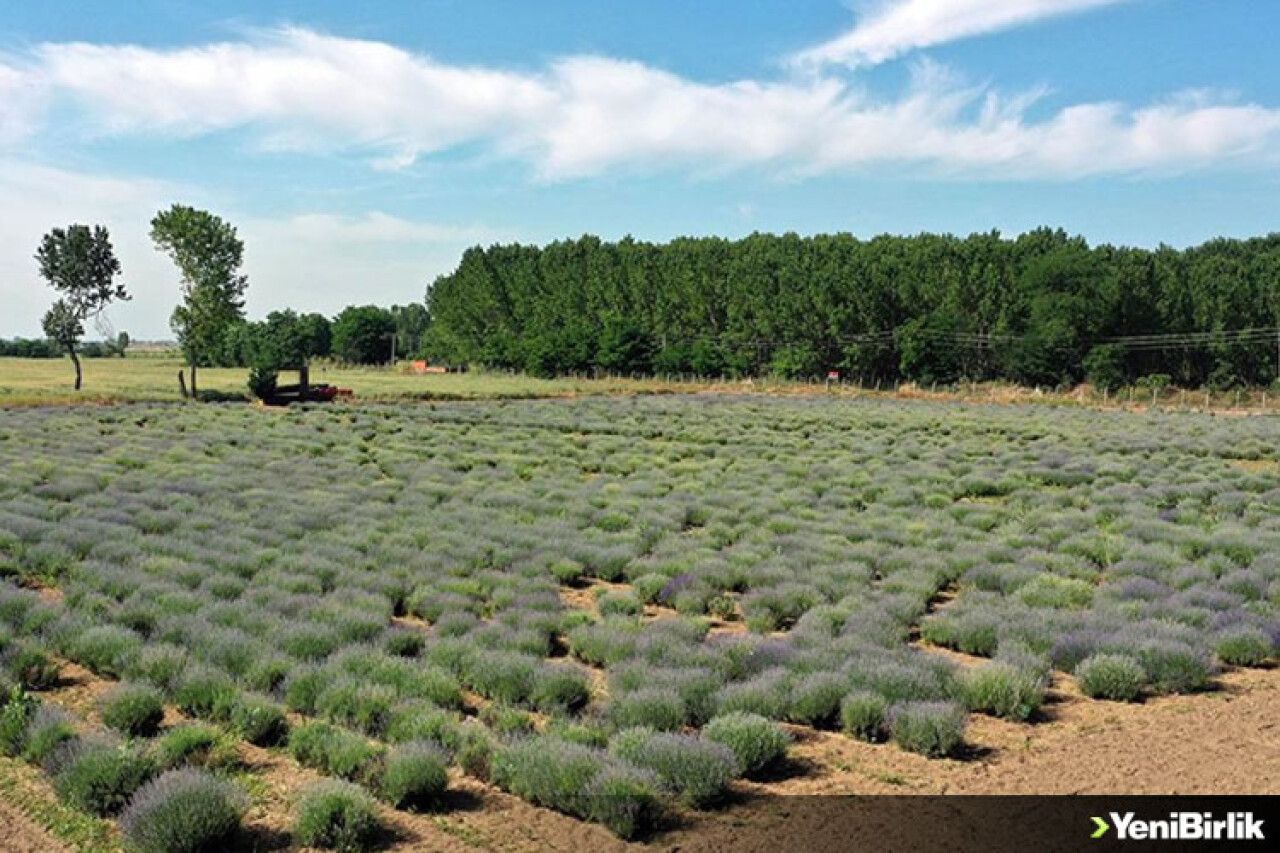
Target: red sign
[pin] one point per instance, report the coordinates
(833, 374)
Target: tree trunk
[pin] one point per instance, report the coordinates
(182, 383)
(194, 394)
(75, 359)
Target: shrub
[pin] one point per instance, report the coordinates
(620, 604)
(929, 728)
(722, 607)
(974, 631)
(361, 706)
(337, 815)
(624, 799)
(206, 694)
(1111, 676)
(548, 772)
(658, 707)
(1002, 689)
(503, 676)
(32, 666)
(475, 753)
(863, 715)
(107, 650)
(303, 687)
(815, 699)
(268, 674)
(505, 720)
(699, 771)
(50, 727)
(195, 745)
(648, 587)
(587, 734)
(560, 689)
(332, 750)
(160, 665)
(183, 811)
(259, 721)
(15, 719)
(404, 642)
(766, 695)
(1174, 667)
(603, 643)
(98, 777)
(757, 743)
(415, 774)
(133, 709)
(422, 721)
(1242, 645)
(1054, 591)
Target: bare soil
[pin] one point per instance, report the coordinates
(1222, 742)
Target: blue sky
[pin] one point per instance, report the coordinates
(361, 147)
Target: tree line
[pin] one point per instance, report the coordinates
(1043, 308)
(79, 263)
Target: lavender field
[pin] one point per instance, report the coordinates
(612, 608)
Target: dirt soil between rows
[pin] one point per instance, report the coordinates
(1222, 742)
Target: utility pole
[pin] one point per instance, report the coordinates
(393, 348)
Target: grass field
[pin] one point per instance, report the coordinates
(154, 379)
(621, 616)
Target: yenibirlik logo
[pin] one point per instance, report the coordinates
(1182, 826)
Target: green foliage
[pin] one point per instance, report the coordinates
(337, 815)
(863, 715)
(99, 777)
(262, 381)
(108, 650)
(1046, 590)
(334, 751)
(657, 707)
(1002, 689)
(927, 308)
(49, 729)
(195, 745)
(32, 666)
(757, 743)
(1109, 676)
(206, 694)
(475, 753)
(560, 689)
(697, 770)
(208, 255)
(362, 335)
(15, 717)
(183, 811)
(1104, 366)
(624, 799)
(80, 264)
(1243, 646)
(815, 699)
(415, 775)
(133, 709)
(933, 729)
(259, 721)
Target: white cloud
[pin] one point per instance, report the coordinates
(892, 28)
(584, 116)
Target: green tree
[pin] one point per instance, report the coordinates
(412, 322)
(208, 255)
(363, 334)
(79, 263)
